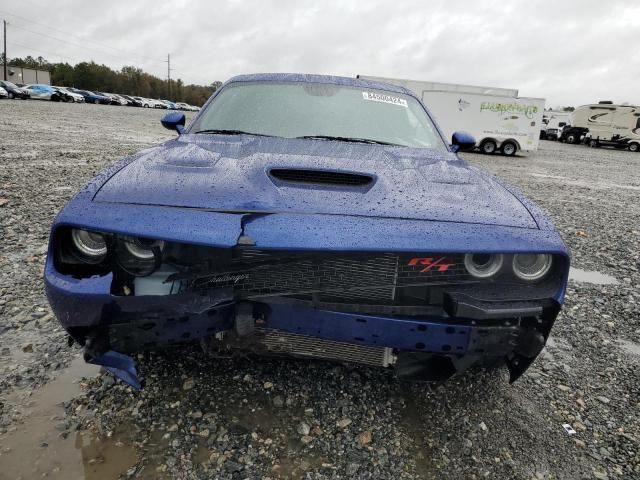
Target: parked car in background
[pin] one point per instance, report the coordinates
(112, 99)
(170, 105)
(121, 100)
(76, 97)
(92, 97)
(157, 103)
(131, 101)
(363, 254)
(64, 95)
(144, 102)
(3, 93)
(44, 92)
(14, 91)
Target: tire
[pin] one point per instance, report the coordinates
(508, 149)
(572, 139)
(97, 102)
(11, 95)
(593, 143)
(634, 147)
(488, 147)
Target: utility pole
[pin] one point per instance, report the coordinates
(5, 50)
(168, 76)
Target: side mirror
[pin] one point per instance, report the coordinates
(462, 141)
(174, 121)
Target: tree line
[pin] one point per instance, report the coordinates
(129, 80)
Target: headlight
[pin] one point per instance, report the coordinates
(531, 267)
(141, 248)
(90, 245)
(483, 265)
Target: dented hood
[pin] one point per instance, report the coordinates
(230, 174)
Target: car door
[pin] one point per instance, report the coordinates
(35, 92)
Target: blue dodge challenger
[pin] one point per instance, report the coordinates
(309, 216)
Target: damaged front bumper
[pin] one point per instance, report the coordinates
(451, 331)
(432, 346)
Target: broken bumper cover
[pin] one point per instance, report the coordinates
(479, 330)
(462, 330)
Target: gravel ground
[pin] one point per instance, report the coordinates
(203, 417)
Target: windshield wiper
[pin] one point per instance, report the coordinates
(350, 139)
(232, 132)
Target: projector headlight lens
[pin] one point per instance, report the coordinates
(90, 245)
(483, 265)
(142, 248)
(532, 266)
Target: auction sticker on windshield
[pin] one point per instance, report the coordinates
(378, 97)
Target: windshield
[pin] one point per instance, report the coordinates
(9, 84)
(298, 109)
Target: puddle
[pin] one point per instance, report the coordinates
(596, 278)
(38, 449)
(14, 356)
(630, 347)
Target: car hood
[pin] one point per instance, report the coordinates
(231, 173)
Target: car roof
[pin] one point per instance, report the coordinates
(311, 78)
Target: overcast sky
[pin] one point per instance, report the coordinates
(569, 52)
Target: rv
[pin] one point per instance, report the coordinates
(499, 120)
(553, 123)
(608, 125)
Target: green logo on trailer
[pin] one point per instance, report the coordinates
(527, 110)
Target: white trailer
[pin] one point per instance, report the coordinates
(498, 119)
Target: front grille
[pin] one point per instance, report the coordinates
(374, 278)
(323, 177)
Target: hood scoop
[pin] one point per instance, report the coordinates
(321, 177)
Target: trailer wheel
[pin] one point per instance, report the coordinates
(488, 147)
(634, 147)
(509, 149)
(593, 143)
